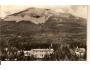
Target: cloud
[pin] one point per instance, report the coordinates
(77, 10)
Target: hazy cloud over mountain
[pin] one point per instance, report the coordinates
(77, 10)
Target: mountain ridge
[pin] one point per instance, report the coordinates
(39, 15)
(53, 29)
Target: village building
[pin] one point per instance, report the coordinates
(38, 52)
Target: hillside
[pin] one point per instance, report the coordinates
(38, 25)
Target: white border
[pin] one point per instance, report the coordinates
(44, 2)
(9, 65)
(55, 65)
(88, 35)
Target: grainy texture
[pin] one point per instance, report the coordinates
(41, 30)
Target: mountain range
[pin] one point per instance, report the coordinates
(43, 25)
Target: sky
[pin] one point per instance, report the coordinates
(77, 10)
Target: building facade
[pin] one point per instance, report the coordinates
(38, 53)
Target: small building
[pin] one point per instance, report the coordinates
(27, 53)
(38, 53)
(80, 51)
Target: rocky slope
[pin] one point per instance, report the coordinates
(43, 25)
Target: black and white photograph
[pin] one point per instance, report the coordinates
(43, 33)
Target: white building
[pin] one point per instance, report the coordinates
(80, 51)
(38, 53)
